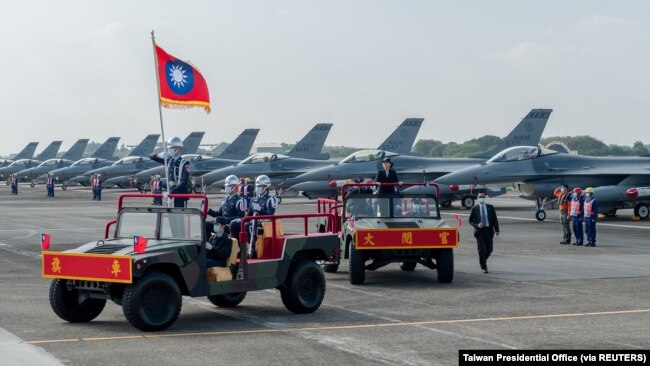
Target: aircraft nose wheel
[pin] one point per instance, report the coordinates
(468, 201)
(31, 185)
(540, 215)
(642, 211)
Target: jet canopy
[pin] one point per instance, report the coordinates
(21, 162)
(52, 162)
(129, 160)
(85, 161)
(263, 158)
(517, 153)
(366, 155)
(195, 157)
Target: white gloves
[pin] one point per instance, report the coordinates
(166, 194)
(256, 207)
(208, 246)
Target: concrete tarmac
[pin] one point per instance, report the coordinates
(538, 294)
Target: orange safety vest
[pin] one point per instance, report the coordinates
(575, 208)
(563, 204)
(587, 208)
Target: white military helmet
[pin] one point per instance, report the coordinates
(175, 142)
(262, 180)
(231, 180)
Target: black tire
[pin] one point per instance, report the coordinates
(153, 302)
(227, 300)
(304, 290)
(32, 185)
(331, 267)
(467, 201)
(445, 266)
(445, 203)
(641, 210)
(357, 266)
(64, 187)
(408, 266)
(540, 215)
(65, 303)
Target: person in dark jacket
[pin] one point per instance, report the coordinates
(387, 175)
(219, 244)
(483, 218)
(178, 170)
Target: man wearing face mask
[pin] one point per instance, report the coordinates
(233, 206)
(262, 204)
(562, 195)
(576, 207)
(483, 218)
(591, 215)
(219, 244)
(178, 170)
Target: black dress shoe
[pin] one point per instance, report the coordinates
(485, 270)
(564, 242)
(579, 245)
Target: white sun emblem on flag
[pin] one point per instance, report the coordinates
(178, 75)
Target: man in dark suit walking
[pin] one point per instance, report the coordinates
(387, 175)
(484, 219)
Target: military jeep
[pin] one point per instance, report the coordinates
(149, 284)
(386, 228)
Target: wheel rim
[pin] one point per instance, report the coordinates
(308, 289)
(643, 211)
(155, 309)
(469, 202)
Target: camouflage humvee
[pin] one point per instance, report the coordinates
(149, 285)
(401, 227)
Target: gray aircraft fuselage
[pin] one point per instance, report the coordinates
(17, 166)
(43, 168)
(275, 166)
(199, 165)
(123, 167)
(78, 168)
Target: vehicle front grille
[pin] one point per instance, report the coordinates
(107, 248)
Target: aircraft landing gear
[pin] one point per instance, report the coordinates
(32, 185)
(610, 213)
(540, 214)
(641, 210)
(64, 186)
(445, 203)
(467, 201)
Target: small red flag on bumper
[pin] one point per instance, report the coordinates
(45, 241)
(140, 244)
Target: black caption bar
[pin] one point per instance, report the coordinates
(552, 357)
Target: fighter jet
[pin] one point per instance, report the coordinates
(21, 164)
(73, 154)
(323, 182)
(103, 156)
(136, 161)
(279, 166)
(190, 144)
(201, 164)
(537, 172)
(26, 153)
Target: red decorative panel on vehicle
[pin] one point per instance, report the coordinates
(87, 267)
(406, 238)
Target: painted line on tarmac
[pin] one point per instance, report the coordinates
(340, 327)
(535, 220)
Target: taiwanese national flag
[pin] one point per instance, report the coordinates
(140, 244)
(45, 241)
(181, 84)
(458, 220)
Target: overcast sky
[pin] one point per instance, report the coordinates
(74, 69)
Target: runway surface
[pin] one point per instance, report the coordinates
(538, 294)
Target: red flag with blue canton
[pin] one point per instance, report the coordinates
(45, 241)
(139, 244)
(181, 85)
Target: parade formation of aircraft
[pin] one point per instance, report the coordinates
(74, 153)
(26, 153)
(103, 156)
(21, 164)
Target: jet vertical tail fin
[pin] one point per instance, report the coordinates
(107, 149)
(241, 146)
(402, 139)
(27, 152)
(146, 147)
(192, 142)
(528, 132)
(310, 146)
(50, 151)
(76, 151)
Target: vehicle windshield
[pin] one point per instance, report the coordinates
(364, 155)
(517, 153)
(85, 161)
(173, 225)
(402, 205)
(263, 158)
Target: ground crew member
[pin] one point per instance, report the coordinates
(263, 204)
(562, 195)
(483, 218)
(591, 216)
(92, 185)
(49, 183)
(576, 205)
(151, 183)
(13, 180)
(156, 187)
(233, 206)
(98, 186)
(178, 170)
(246, 190)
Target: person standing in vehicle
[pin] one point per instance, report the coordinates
(591, 216)
(233, 206)
(263, 204)
(178, 170)
(387, 175)
(576, 206)
(483, 218)
(562, 195)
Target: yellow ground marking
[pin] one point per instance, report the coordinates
(337, 327)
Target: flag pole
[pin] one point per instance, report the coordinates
(162, 128)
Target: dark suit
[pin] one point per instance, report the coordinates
(485, 235)
(221, 247)
(390, 178)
